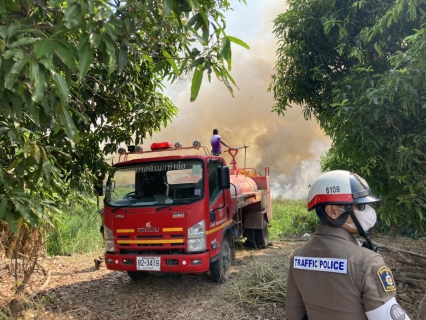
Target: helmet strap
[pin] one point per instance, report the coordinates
(367, 244)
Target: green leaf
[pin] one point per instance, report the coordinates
(10, 53)
(160, 66)
(196, 84)
(12, 30)
(21, 42)
(17, 67)
(10, 80)
(205, 20)
(26, 214)
(65, 55)
(122, 57)
(35, 113)
(3, 13)
(3, 204)
(55, 3)
(91, 5)
(68, 124)
(39, 84)
(95, 40)
(110, 49)
(47, 63)
(110, 31)
(168, 7)
(62, 86)
(16, 103)
(194, 19)
(238, 41)
(43, 46)
(102, 15)
(11, 220)
(171, 62)
(3, 30)
(226, 51)
(72, 15)
(85, 58)
(197, 62)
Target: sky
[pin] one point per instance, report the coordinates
(289, 145)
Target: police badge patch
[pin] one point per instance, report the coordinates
(386, 279)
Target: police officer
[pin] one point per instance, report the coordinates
(333, 276)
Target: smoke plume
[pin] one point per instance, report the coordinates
(289, 145)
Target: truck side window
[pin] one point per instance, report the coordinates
(214, 190)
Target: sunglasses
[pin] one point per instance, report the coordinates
(361, 207)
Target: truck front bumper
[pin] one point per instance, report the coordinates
(179, 263)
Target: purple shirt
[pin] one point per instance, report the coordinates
(215, 141)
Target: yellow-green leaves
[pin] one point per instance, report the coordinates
(238, 41)
(196, 83)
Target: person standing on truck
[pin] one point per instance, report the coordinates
(333, 276)
(216, 142)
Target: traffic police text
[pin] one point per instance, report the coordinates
(321, 264)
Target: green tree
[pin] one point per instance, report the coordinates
(358, 67)
(79, 77)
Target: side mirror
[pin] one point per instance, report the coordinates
(111, 186)
(224, 178)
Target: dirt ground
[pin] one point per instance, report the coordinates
(76, 290)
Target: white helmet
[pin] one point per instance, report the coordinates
(340, 187)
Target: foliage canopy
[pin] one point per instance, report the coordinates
(358, 67)
(79, 77)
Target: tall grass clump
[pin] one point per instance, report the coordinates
(291, 217)
(76, 227)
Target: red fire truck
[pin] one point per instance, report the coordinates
(180, 212)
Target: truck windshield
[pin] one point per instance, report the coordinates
(156, 183)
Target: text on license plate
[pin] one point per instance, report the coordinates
(148, 263)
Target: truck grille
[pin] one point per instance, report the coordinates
(163, 241)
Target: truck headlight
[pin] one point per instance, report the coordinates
(109, 240)
(197, 237)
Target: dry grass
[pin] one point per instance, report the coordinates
(261, 283)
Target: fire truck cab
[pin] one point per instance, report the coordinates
(180, 212)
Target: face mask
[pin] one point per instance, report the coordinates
(367, 218)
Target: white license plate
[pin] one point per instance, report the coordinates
(148, 263)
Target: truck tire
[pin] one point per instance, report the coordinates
(221, 268)
(137, 275)
(262, 235)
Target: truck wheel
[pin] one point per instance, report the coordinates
(262, 235)
(221, 268)
(137, 275)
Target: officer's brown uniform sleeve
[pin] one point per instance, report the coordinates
(295, 307)
(378, 286)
